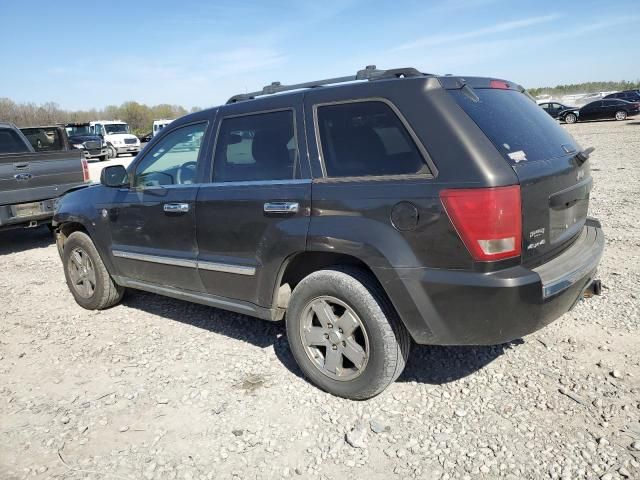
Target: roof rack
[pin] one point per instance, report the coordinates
(370, 72)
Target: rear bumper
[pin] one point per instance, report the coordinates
(9, 219)
(445, 307)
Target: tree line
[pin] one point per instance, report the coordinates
(587, 87)
(140, 117)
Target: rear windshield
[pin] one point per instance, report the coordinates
(520, 129)
(10, 142)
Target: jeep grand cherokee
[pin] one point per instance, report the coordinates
(367, 211)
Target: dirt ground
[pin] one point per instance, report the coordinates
(157, 388)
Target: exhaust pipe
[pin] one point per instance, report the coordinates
(594, 288)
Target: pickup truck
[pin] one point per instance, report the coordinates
(31, 182)
(55, 138)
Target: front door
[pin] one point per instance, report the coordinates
(152, 222)
(591, 111)
(255, 213)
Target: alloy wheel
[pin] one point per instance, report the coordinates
(621, 115)
(82, 273)
(334, 338)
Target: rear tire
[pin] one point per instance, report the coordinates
(87, 277)
(365, 342)
(571, 118)
(621, 115)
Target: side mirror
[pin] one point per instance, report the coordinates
(114, 176)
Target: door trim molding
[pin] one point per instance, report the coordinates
(183, 262)
(177, 262)
(226, 268)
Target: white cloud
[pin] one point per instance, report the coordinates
(433, 40)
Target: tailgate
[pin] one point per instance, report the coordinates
(29, 177)
(554, 182)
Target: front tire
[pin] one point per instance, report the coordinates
(345, 334)
(102, 158)
(621, 115)
(87, 277)
(112, 152)
(571, 118)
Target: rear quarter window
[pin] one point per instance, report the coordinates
(519, 129)
(366, 139)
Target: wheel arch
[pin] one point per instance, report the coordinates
(64, 230)
(298, 266)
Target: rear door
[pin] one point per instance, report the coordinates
(254, 211)
(555, 184)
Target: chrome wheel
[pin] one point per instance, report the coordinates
(82, 273)
(621, 115)
(334, 338)
(571, 118)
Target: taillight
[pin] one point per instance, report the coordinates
(85, 170)
(488, 220)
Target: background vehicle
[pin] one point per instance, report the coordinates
(558, 110)
(117, 136)
(159, 125)
(146, 138)
(50, 138)
(80, 136)
(608, 109)
(446, 210)
(31, 182)
(55, 138)
(628, 95)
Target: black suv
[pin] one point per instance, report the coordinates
(368, 211)
(628, 95)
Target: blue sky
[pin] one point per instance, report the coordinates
(92, 54)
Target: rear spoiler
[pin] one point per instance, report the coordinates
(457, 83)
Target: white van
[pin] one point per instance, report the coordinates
(118, 137)
(159, 125)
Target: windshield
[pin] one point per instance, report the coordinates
(116, 128)
(517, 127)
(77, 131)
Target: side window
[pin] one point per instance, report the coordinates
(256, 147)
(546, 106)
(10, 142)
(173, 160)
(43, 139)
(366, 139)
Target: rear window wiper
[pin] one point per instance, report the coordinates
(583, 156)
(470, 93)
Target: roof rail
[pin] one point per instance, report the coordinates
(370, 72)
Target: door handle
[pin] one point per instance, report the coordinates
(176, 207)
(281, 207)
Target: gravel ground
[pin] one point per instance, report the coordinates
(159, 388)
